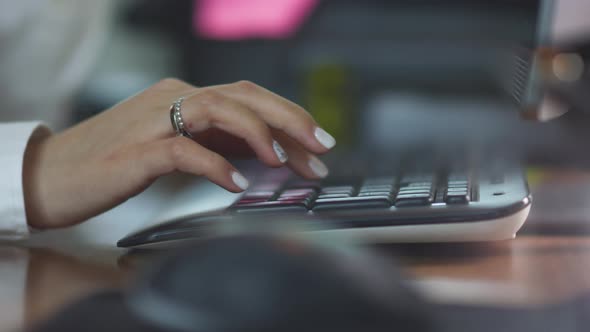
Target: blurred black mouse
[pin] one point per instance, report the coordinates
(276, 283)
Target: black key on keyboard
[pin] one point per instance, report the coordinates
(457, 197)
(290, 200)
(258, 195)
(414, 199)
(383, 201)
(414, 190)
(324, 196)
(297, 194)
(458, 190)
(374, 187)
(246, 201)
(376, 190)
(374, 193)
(273, 206)
(455, 184)
(349, 190)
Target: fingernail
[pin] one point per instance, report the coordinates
(324, 138)
(280, 152)
(240, 180)
(318, 167)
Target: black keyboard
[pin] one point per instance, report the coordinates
(418, 203)
(293, 195)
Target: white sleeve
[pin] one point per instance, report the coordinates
(13, 142)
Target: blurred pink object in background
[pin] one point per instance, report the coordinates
(239, 19)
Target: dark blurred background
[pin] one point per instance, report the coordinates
(384, 74)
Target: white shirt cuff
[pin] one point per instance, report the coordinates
(13, 143)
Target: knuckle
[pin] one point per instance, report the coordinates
(169, 82)
(209, 97)
(178, 150)
(247, 86)
(172, 84)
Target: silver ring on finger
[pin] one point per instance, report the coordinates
(176, 118)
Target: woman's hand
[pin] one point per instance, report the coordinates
(115, 155)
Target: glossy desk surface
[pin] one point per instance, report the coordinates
(529, 270)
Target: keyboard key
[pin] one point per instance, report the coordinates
(376, 188)
(323, 196)
(419, 184)
(305, 200)
(457, 196)
(352, 203)
(273, 206)
(414, 195)
(457, 199)
(338, 190)
(458, 183)
(244, 201)
(258, 194)
(374, 193)
(416, 190)
(413, 199)
(297, 192)
(457, 189)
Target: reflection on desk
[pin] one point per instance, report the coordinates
(530, 270)
(35, 283)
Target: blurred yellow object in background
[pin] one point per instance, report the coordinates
(328, 97)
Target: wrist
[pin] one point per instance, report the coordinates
(32, 176)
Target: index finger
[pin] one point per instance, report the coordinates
(280, 114)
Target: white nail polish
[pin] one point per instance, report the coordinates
(318, 167)
(324, 138)
(280, 152)
(240, 180)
